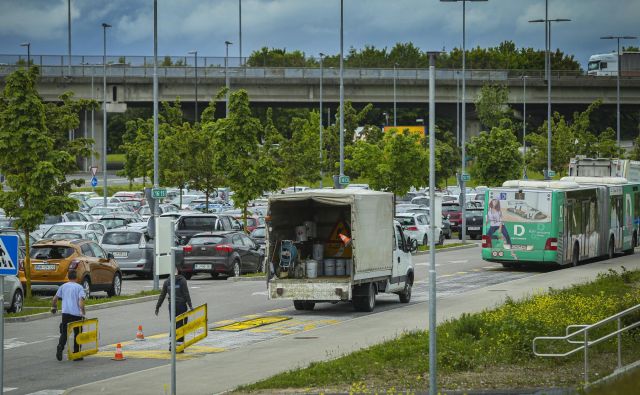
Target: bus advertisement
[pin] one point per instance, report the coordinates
(560, 222)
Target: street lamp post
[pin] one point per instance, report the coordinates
(104, 111)
(524, 126)
(240, 29)
(618, 38)
(156, 146)
(28, 45)
(458, 108)
(341, 88)
(547, 30)
(195, 55)
(226, 77)
(69, 33)
(320, 118)
(462, 182)
(394, 94)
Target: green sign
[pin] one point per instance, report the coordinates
(466, 177)
(343, 180)
(551, 173)
(159, 193)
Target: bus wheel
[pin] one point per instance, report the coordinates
(634, 242)
(612, 247)
(575, 258)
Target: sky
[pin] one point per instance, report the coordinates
(311, 26)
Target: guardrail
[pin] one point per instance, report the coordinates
(585, 343)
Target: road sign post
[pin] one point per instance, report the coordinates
(8, 267)
(94, 182)
(94, 171)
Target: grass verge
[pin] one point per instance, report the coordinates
(37, 305)
(259, 274)
(487, 350)
(439, 247)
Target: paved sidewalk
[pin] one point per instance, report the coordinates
(216, 373)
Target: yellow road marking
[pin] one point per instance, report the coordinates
(447, 275)
(223, 322)
(250, 324)
(251, 316)
(461, 273)
(189, 353)
(276, 310)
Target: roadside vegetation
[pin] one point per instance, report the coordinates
(487, 350)
(439, 247)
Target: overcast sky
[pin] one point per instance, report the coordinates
(309, 25)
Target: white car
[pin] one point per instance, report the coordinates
(416, 226)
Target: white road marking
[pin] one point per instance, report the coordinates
(15, 343)
(48, 392)
(262, 293)
(7, 389)
(461, 261)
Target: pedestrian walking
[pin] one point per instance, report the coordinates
(183, 300)
(72, 295)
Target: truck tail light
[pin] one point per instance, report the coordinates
(551, 244)
(74, 264)
(486, 241)
(224, 248)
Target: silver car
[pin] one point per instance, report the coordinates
(97, 227)
(131, 248)
(74, 234)
(13, 294)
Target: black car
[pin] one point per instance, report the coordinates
(229, 253)
(475, 219)
(191, 224)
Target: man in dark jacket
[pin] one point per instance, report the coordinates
(183, 299)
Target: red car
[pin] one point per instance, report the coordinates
(252, 222)
(454, 213)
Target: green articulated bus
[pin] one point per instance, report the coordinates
(560, 222)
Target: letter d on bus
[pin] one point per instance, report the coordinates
(518, 230)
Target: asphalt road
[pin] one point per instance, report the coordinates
(30, 364)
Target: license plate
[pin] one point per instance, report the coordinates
(45, 267)
(474, 228)
(519, 247)
(202, 266)
(120, 254)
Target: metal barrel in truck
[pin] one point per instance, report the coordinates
(336, 245)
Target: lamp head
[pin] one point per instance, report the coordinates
(228, 43)
(25, 44)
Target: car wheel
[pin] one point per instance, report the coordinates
(441, 241)
(116, 286)
(425, 240)
(187, 275)
(236, 268)
(86, 285)
(17, 302)
(448, 235)
(260, 268)
(214, 275)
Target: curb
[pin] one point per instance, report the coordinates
(41, 316)
(464, 247)
(256, 278)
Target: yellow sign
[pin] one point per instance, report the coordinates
(400, 129)
(86, 333)
(196, 327)
(335, 246)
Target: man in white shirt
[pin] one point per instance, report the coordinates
(72, 295)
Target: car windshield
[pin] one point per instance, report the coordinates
(474, 213)
(56, 228)
(51, 252)
(258, 233)
(121, 238)
(65, 236)
(206, 240)
(111, 223)
(406, 221)
(101, 210)
(145, 211)
(6, 223)
(52, 219)
(451, 207)
(197, 223)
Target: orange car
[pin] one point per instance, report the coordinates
(51, 261)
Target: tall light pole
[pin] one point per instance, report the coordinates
(104, 111)
(156, 147)
(28, 45)
(463, 189)
(320, 118)
(395, 123)
(341, 88)
(524, 126)
(226, 77)
(618, 38)
(547, 30)
(69, 33)
(458, 108)
(195, 55)
(240, 29)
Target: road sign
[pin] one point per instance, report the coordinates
(94, 170)
(94, 182)
(8, 255)
(159, 193)
(551, 173)
(466, 177)
(343, 180)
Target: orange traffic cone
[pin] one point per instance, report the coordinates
(139, 334)
(345, 239)
(119, 356)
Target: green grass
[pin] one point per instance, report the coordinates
(115, 158)
(439, 247)
(487, 350)
(35, 305)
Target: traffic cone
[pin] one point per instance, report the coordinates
(139, 334)
(345, 239)
(119, 356)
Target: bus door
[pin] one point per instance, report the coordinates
(584, 244)
(568, 236)
(617, 224)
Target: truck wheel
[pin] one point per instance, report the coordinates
(612, 248)
(405, 295)
(303, 305)
(366, 300)
(575, 258)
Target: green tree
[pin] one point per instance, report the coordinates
(635, 153)
(491, 105)
(300, 154)
(35, 170)
(495, 154)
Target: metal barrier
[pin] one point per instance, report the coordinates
(585, 343)
(197, 326)
(88, 334)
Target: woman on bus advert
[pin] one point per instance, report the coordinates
(494, 217)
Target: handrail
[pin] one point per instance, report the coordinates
(585, 343)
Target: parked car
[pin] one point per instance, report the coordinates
(13, 294)
(51, 220)
(258, 235)
(20, 234)
(125, 195)
(113, 221)
(474, 218)
(74, 234)
(253, 221)
(83, 196)
(407, 198)
(95, 201)
(186, 199)
(97, 227)
(421, 201)
(405, 207)
(295, 189)
(98, 211)
(145, 211)
(446, 225)
(453, 213)
(51, 261)
(7, 222)
(132, 249)
(191, 224)
(416, 226)
(230, 253)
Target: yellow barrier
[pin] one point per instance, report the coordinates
(199, 323)
(88, 335)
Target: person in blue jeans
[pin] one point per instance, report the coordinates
(494, 217)
(72, 295)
